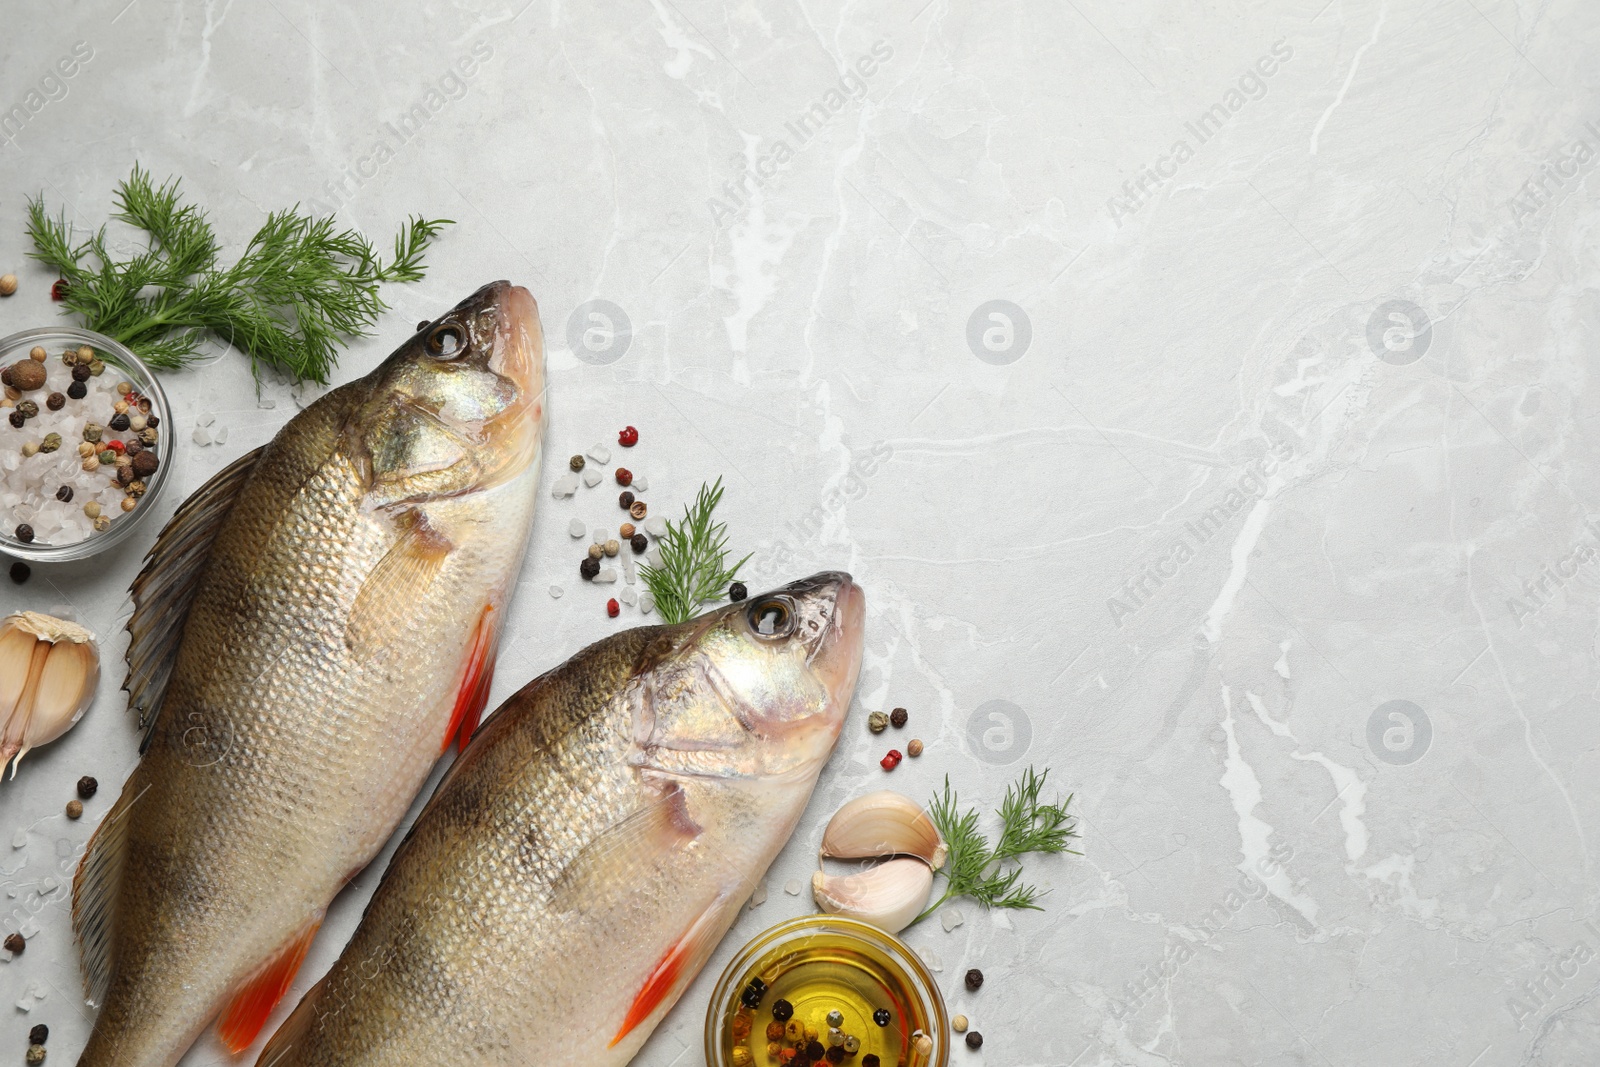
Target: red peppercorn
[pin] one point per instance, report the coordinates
(116, 446)
(58, 290)
(624, 476)
(628, 437)
(613, 609)
(891, 761)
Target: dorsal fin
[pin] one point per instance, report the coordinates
(94, 893)
(165, 588)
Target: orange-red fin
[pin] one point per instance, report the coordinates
(244, 1017)
(473, 696)
(677, 966)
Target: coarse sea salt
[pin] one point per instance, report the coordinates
(28, 484)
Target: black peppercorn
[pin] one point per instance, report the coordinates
(14, 944)
(974, 1039)
(64, 494)
(897, 718)
(17, 419)
(751, 997)
(782, 1010)
(152, 420)
(39, 1034)
(870, 1060)
(77, 390)
(625, 500)
(639, 543)
(974, 976)
(119, 421)
(80, 373)
(815, 1051)
(55, 401)
(24, 532)
(835, 1054)
(589, 568)
(881, 1017)
(20, 572)
(87, 787)
(737, 592)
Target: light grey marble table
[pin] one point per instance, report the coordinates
(1204, 395)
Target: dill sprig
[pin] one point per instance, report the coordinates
(992, 874)
(694, 554)
(300, 289)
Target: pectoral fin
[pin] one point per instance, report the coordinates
(411, 564)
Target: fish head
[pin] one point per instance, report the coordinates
(459, 406)
(758, 689)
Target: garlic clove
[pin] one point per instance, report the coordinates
(889, 895)
(49, 669)
(884, 823)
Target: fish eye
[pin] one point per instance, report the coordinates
(446, 341)
(771, 617)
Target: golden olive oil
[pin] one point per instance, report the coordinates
(817, 974)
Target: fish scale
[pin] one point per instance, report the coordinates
(321, 626)
(563, 886)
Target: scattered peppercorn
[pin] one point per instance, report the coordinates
(102, 523)
(58, 290)
(914, 749)
(877, 722)
(835, 1054)
(74, 809)
(836, 1019)
(92, 509)
(87, 787)
(15, 943)
(148, 437)
(737, 592)
(870, 1060)
(625, 501)
(77, 390)
(639, 542)
(596, 551)
(974, 1039)
(144, 463)
(852, 1044)
(613, 609)
(17, 419)
(624, 476)
(37, 352)
(891, 761)
(576, 463)
(974, 979)
(20, 572)
(628, 437)
(35, 1055)
(55, 401)
(881, 1017)
(129, 503)
(589, 568)
(28, 408)
(782, 1010)
(119, 422)
(751, 997)
(24, 532)
(80, 373)
(898, 717)
(39, 1034)
(8, 284)
(85, 353)
(151, 421)
(123, 388)
(959, 1024)
(815, 1051)
(639, 510)
(27, 375)
(96, 368)
(64, 494)
(611, 547)
(51, 442)
(774, 1031)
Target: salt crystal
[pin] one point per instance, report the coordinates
(556, 591)
(206, 420)
(934, 963)
(655, 526)
(48, 886)
(647, 604)
(38, 990)
(202, 436)
(759, 897)
(628, 597)
(26, 1003)
(599, 535)
(266, 403)
(576, 528)
(639, 484)
(607, 574)
(792, 887)
(565, 486)
(630, 570)
(222, 436)
(19, 839)
(950, 918)
(591, 477)
(29, 929)
(600, 454)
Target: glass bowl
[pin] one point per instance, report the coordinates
(824, 963)
(118, 359)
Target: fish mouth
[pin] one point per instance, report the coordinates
(836, 652)
(519, 340)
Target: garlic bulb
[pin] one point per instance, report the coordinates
(49, 669)
(888, 895)
(884, 823)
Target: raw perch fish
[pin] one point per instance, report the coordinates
(309, 632)
(589, 849)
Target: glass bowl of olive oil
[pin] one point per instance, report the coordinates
(823, 989)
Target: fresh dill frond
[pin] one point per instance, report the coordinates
(694, 554)
(300, 290)
(992, 874)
